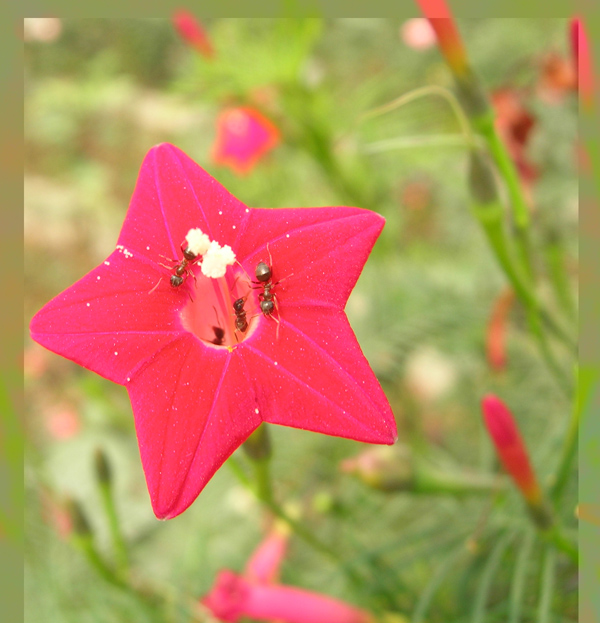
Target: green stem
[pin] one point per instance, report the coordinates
(558, 276)
(411, 96)
(490, 217)
(264, 489)
(485, 125)
(105, 485)
(298, 528)
(558, 539)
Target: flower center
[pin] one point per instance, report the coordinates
(210, 313)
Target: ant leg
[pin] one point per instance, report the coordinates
(168, 259)
(247, 275)
(270, 258)
(156, 286)
(278, 325)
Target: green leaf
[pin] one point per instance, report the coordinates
(489, 572)
(517, 591)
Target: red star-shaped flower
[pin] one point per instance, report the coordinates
(199, 386)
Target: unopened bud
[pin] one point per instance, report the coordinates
(81, 526)
(258, 445)
(388, 468)
(102, 467)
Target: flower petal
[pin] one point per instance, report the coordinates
(318, 252)
(108, 321)
(193, 407)
(314, 376)
(173, 195)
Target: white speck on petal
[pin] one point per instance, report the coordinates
(275, 362)
(147, 248)
(220, 212)
(287, 235)
(107, 263)
(256, 411)
(247, 210)
(98, 277)
(128, 379)
(233, 226)
(88, 304)
(116, 353)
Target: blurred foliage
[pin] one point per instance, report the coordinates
(96, 99)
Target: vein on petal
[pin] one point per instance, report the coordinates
(328, 356)
(304, 228)
(205, 425)
(126, 332)
(166, 422)
(309, 387)
(162, 207)
(136, 369)
(191, 186)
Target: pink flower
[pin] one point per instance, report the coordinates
(510, 447)
(199, 386)
(254, 594)
(266, 560)
(449, 40)
(192, 32)
(234, 597)
(244, 136)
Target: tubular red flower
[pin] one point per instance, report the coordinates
(233, 597)
(197, 386)
(449, 40)
(244, 136)
(510, 447)
(192, 32)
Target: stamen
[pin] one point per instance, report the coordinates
(216, 260)
(198, 242)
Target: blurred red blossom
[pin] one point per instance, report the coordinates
(198, 386)
(192, 32)
(244, 136)
(557, 78)
(62, 422)
(255, 595)
(515, 125)
(417, 33)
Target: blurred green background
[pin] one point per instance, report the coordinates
(98, 94)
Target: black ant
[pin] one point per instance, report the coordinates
(181, 269)
(268, 300)
(241, 323)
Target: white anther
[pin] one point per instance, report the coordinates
(198, 242)
(216, 260)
